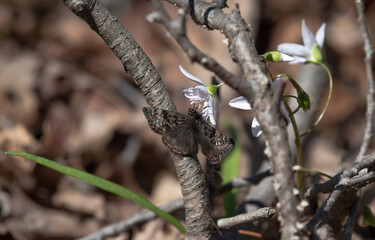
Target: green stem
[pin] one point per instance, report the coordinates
(298, 107)
(295, 111)
(291, 96)
(291, 80)
(327, 103)
(297, 142)
(269, 73)
(314, 172)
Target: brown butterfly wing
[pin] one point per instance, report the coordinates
(175, 130)
(214, 144)
(180, 140)
(161, 120)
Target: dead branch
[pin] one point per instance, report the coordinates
(351, 221)
(242, 182)
(336, 207)
(177, 30)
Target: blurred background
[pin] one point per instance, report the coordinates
(64, 96)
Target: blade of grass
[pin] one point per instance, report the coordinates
(229, 170)
(102, 184)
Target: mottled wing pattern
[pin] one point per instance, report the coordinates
(180, 140)
(182, 133)
(161, 120)
(175, 130)
(214, 144)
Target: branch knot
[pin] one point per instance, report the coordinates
(79, 6)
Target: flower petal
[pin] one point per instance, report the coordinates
(298, 60)
(255, 128)
(319, 36)
(286, 58)
(197, 93)
(208, 111)
(293, 49)
(192, 77)
(240, 102)
(307, 36)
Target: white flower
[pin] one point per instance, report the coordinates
(201, 93)
(310, 51)
(242, 103)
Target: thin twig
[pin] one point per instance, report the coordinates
(325, 187)
(242, 182)
(260, 214)
(369, 131)
(115, 229)
(350, 222)
(246, 233)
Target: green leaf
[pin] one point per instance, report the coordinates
(303, 99)
(368, 216)
(229, 170)
(103, 184)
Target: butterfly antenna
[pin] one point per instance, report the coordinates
(212, 221)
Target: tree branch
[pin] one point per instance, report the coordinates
(146, 77)
(325, 187)
(369, 131)
(131, 55)
(242, 182)
(335, 208)
(178, 31)
(351, 221)
(260, 214)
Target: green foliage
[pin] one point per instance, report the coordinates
(303, 99)
(103, 184)
(368, 216)
(229, 170)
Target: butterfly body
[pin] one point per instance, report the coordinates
(182, 133)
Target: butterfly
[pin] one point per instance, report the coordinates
(182, 133)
